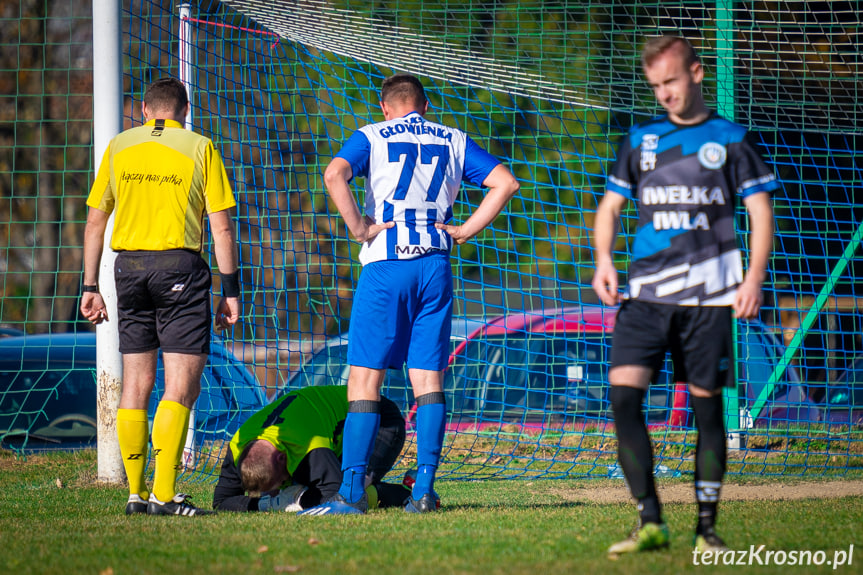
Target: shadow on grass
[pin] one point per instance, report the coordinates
(502, 505)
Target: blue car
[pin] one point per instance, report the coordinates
(843, 401)
(48, 393)
(787, 401)
(329, 365)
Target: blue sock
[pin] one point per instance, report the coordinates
(358, 440)
(425, 481)
(431, 424)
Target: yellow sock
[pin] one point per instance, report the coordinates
(133, 434)
(169, 434)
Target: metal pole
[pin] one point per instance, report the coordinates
(185, 56)
(725, 105)
(107, 123)
(725, 58)
(185, 70)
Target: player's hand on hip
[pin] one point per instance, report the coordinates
(227, 313)
(747, 301)
(93, 308)
(373, 229)
(605, 284)
(457, 234)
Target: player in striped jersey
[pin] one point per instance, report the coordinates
(413, 169)
(685, 170)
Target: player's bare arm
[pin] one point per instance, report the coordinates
(225, 249)
(92, 305)
(747, 302)
(336, 178)
(605, 224)
(502, 186)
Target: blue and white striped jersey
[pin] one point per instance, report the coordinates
(413, 170)
(686, 181)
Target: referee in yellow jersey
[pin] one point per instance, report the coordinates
(160, 180)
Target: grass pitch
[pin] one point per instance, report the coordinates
(54, 518)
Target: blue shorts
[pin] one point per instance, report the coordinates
(402, 312)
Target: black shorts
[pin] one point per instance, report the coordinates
(163, 300)
(699, 339)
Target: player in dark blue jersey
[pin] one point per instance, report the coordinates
(685, 171)
(402, 309)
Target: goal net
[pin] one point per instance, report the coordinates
(549, 88)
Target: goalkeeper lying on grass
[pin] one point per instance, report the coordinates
(287, 457)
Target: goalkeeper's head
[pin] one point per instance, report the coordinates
(263, 468)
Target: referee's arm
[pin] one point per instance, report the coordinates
(225, 249)
(92, 306)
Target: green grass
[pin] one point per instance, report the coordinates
(529, 527)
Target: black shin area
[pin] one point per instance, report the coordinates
(634, 450)
(710, 457)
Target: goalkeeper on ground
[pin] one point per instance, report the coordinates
(287, 456)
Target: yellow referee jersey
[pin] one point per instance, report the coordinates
(162, 180)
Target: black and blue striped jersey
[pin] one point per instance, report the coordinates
(685, 181)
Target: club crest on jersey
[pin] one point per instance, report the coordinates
(649, 144)
(712, 155)
(649, 141)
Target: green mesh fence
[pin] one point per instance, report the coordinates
(549, 88)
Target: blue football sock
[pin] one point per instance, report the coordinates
(431, 424)
(425, 481)
(358, 440)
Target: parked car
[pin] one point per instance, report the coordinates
(48, 392)
(538, 370)
(843, 400)
(759, 351)
(550, 369)
(541, 370)
(329, 365)
(6, 331)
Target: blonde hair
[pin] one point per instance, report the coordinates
(658, 45)
(256, 468)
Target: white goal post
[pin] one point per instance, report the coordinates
(107, 123)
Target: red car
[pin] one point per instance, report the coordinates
(539, 370)
(550, 370)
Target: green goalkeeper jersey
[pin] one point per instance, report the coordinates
(298, 422)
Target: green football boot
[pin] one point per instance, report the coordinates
(710, 541)
(643, 538)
